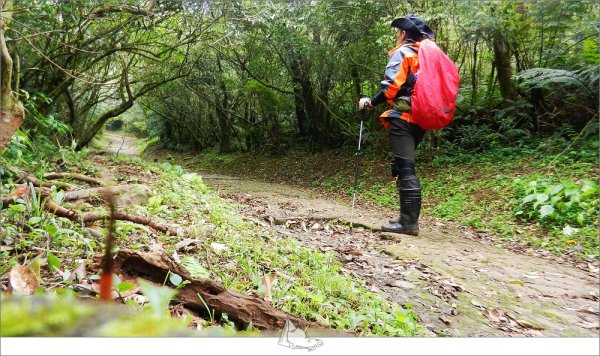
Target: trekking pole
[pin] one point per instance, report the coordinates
(356, 161)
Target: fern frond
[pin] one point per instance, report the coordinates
(545, 78)
(194, 267)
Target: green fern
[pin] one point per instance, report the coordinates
(194, 267)
(548, 78)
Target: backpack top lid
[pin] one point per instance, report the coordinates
(433, 101)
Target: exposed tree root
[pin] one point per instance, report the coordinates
(36, 182)
(6, 200)
(58, 210)
(75, 176)
(241, 309)
(52, 207)
(93, 216)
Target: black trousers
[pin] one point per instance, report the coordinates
(404, 138)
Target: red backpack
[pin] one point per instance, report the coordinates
(433, 100)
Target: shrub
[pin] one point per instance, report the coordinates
(559, 204)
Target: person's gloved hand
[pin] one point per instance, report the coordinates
(364, 103)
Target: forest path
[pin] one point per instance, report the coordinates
(457, 285)
(121, 144)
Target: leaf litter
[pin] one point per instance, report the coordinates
(386, 274)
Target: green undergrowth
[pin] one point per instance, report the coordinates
(484, 191)
(227, 248)
(308, 284)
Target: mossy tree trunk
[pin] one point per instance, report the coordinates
(12, 112)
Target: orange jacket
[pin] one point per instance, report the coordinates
(398, 80)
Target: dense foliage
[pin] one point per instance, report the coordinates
(270, 75)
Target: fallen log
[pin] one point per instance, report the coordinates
(74, 176)
(241, 309)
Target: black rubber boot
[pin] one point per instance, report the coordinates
(410, 208)
(410, 201)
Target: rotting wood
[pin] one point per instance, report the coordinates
(241, 309)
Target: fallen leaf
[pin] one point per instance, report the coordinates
(303, 226)
(590, 324)
(516, 282)
(492, 314)
(267, 282)
(218, 248)
(445, 320)
(403, 284)
(66, 275)
(79, 271)
(20, 192)
(476, 303)
(527, 325)
(88, 287)
(176, 257)
(589, 311)
(6, 248)
(23, 280)
(185, 243)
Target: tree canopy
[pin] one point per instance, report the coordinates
(269, 75)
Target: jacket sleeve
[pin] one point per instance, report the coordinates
(395, 75)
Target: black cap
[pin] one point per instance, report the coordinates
(411, 23)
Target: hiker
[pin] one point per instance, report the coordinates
(396, 89)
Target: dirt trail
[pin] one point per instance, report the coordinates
(121, 144)
(457, 286)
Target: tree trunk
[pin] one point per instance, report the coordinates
(222, 105)
(12, 112)
(88, 135)
(503, 66)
